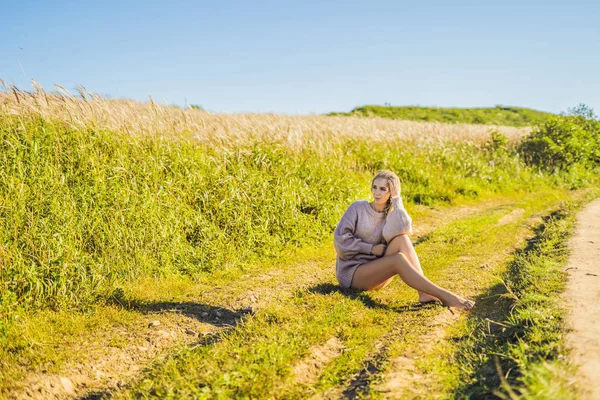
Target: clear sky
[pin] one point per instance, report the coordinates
(303, 57)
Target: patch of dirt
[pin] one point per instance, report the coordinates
(438, 218)
(117, 356)
(583, 298)
(511, 217)
(404, 372)
(308, 369)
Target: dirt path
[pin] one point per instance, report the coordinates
(583, 297)
(101, 369)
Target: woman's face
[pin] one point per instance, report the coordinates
(381, 191)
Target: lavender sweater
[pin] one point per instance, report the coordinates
(360, 229)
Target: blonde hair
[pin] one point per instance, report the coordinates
(393, 182)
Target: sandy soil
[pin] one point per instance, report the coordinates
(583, 298)
(307, 371)
(403, 377)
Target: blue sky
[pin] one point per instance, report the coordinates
(305, 57)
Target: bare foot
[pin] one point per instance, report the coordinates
(458, 302)
(427, 298)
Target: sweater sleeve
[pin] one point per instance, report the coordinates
(398, 222)
(346, 244)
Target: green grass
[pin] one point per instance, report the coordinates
(31, 343)
(499, 115)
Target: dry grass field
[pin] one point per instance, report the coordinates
(89, 110)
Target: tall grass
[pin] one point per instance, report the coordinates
(222, 130)
(95, 192)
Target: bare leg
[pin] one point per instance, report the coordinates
(373, 274)
(402, 244)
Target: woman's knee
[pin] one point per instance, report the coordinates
(400, 240)
(396, 245)
(399, 261)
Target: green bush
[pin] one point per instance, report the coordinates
(564, 141)
(498, 143)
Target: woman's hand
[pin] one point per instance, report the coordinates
(378, 250)
(394, 188)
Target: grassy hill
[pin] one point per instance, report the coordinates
(499, 115)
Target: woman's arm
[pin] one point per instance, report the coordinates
(345, 243)
(398, 222)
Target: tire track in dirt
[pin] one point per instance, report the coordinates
(122, 355)
(307, 370)
(404, 371)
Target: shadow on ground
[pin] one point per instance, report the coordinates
(364, 297)
(214, 315)
(217, 316)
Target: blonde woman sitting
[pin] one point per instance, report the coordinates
(373, 246)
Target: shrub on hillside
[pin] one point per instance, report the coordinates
(564, 141)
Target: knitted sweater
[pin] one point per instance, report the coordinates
(360, 229)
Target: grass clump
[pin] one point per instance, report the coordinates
(564, 142)
(499, 115)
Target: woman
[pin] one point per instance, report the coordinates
(364, 259)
